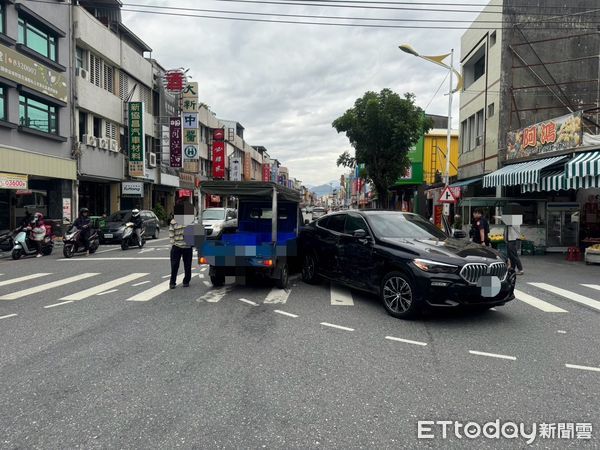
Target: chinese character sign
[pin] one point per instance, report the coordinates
(266, 172)
(247, 166)
(136, 139)
(175, 141)
(562, 133)
(190, 121)
(236, 169)
(218, 160)
(175, 81)
(219, 134)
(189, 98)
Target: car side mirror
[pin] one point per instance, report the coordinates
(459, 234)
(359, 234)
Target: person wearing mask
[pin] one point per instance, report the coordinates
(83, 223)
(481, 228)
(180, 249)
(138, 223)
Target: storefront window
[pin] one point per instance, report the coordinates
(37, 39)
(2, 25)
(38, 115)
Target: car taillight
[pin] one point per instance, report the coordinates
(268, 263)
(203, 260)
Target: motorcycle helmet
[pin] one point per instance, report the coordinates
(135, 213)
(83, 211)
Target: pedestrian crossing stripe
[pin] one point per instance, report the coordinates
(537, 303)
(104, 287)
(47, 286)
(25, 278)
(595, 304)
(155, 291)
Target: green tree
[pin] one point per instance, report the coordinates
(382, 127)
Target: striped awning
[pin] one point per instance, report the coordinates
(584, 165)
(553, 181)
(521, 173)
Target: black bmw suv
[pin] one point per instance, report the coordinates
(405, 260)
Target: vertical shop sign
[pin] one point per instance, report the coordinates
(175, 142)
(136, 139)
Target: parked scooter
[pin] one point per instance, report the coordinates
(7, 240)
(73, 242)
(25, 245)
(131, 238)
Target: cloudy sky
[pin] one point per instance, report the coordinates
(286, 83)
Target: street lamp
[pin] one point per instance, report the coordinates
(452, 71)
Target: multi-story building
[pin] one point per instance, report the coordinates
(529, 113)
(37, 171)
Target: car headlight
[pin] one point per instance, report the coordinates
(216, 226)
(427, 265)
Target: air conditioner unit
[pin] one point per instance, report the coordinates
(151, 159)
(103, 144)
(113, 145)
(80, 72)
(90, 140)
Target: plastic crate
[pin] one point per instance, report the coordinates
(539, 250)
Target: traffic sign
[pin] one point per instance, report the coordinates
(447, 196)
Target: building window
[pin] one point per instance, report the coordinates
(38, 115)
(37, 40)
(110, 129)
(97, 127)
(2, 24)
(2, 103)
(101, 73)
(490, 112)
(474, 68)
(123, 85)
(83, 126)
(493, 39)
(480, 127)
(81, 59)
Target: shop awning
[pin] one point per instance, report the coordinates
(521, 173)
(553, 181)
(584, 165)
(462, 183)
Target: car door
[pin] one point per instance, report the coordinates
(355, 254)
(327, 233)
(148, 223)
(230, 219)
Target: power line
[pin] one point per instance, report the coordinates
(436, 92)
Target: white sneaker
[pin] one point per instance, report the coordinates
(520, 272)
(39, 255)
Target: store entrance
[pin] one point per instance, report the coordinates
(5, 209)
(562, 226)
(95, 197)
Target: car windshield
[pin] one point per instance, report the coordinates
(404, 226)
(213, 214)
(120, 216)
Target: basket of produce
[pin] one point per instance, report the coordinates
(592, 254)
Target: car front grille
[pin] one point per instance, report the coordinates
(208, 231)
(472, 272)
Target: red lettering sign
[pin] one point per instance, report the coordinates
(266, 172)
(174, 81)
(548, 133)
(530, 137)
(219, 134)
(218, 159)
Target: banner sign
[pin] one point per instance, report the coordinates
(218, 159)
(266, 172)
(190, 136)
(133, 188)
(13, 181)
(191, 152)
(219, 134)
(174, 81)
(235, 169)
(136, 140)
(67, 209)
(175, 141)
(562, 133)
(190, 120)
(27, 72)
(247, 166)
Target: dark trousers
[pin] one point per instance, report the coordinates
(513, 256)
(176, 254)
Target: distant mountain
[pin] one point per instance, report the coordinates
(325, 189)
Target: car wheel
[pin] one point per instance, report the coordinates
(156, 233)
(309, 268)
(398, 296)
(283, 281)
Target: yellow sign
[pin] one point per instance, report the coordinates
(23, 70)
(13, 181)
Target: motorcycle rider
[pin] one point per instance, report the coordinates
(83, 223)
(138, 223)
(38, 232)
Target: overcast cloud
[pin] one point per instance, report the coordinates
(286, 83)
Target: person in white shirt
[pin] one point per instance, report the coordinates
(513, 234)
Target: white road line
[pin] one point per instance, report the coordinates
(492, 355)
(207, 283)
(247, 301)
(58, 304)
(215, 295)
(568, 295)
(166, 276)
(571, 366)
(106, 251)
(277, 296)
(203, 268)
(8, 316)
(139, 284)
(45, 287)
(339, 327)
(155, 291)
(286, 313)
(341, 296)
(107, 292)
(102, 288)
(142, 258)
(592, 286)
(201, 275)
(25, 278)
(561, 332)
(537, 303)
(406, 341)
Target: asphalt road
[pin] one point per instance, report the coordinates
(97, 353)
